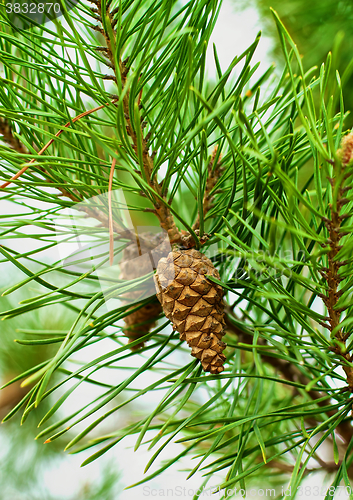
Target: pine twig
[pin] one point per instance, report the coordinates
(332, 273)
(17, 145)
(289, 371)
(162, 210)
(95, 213)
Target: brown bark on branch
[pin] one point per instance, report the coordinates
(162, 211)
(332, 273)
(9, 138)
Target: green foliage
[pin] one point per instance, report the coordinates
(317, 28)
(283, 393)
(25, 463)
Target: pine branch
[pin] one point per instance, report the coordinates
(17, 145)
(289, 372)
(185, 115)
(162, 210)
(332, 273)
(93, 212)
(81, 115)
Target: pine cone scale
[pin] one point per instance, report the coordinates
(185, 276)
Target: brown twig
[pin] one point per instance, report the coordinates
(287, 468)
(332, 273)
(162, 210)
(9, 138)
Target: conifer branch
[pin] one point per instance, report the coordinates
(15, 143)
(81, 115)
(332, 273)
(156, 110)
(289, 372)
(162, 210)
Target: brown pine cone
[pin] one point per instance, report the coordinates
(193, 304)
(136, 262)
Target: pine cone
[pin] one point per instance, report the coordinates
(193, 304)
(140, 322)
